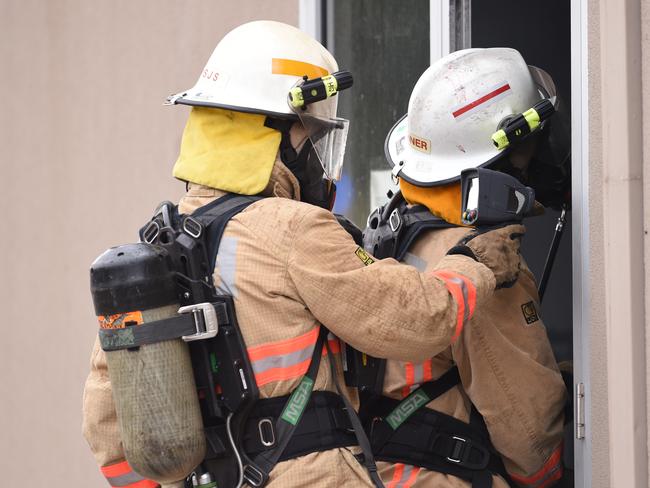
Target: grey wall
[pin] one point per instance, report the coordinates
(86, 154)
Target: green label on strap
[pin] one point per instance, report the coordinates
(298, 401)
(406, 408)
(117, 338)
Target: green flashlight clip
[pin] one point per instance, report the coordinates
(515, 127)
(317, 89)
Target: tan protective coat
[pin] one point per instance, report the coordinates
(507, 371)
(292, 267)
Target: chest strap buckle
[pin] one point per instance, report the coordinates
(395, 221)
(466, 454)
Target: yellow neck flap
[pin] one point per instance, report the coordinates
(230, 151)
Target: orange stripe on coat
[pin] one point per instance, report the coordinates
(412, 478)
(293, 371)
(286, 346)
(143, 484)
(455, 289)
(554, 461)
(397, 475)
(427, 370)
(118, 469)
(409, 378)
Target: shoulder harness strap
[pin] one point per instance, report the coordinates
(391, 230)
(214, 217)
(206, 225)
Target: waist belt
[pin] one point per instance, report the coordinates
(435, 441)
(325, 425)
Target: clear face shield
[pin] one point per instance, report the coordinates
(547, 167)
(327, 133)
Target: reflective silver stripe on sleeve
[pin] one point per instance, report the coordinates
(415, 261)
(282, 360)
(124, 479)
(406, 474)
(463, 288)
(418, 373)
(227, 266)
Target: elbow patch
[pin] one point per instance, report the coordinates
(463, 292)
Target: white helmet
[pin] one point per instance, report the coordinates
(455, 108)
(255, 65)
(253, 69)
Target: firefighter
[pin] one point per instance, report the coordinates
(488, 408)
(287, 262)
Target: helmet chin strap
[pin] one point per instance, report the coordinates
(305, 166)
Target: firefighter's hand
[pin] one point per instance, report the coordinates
(498, 249)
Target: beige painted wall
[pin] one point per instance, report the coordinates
(86, 153)
(618, 50)
(645, 79)
(599, 428)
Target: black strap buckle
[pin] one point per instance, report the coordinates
(254, 476)
(192, 227)
(151, 232)
(395, 221)
(205, 318)
(463, 449)
(267, 432)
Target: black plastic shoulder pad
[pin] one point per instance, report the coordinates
(393, 227)
(350, 228)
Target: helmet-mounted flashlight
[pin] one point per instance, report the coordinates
(317, 89)
(515, 127)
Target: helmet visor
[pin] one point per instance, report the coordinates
(328, 136)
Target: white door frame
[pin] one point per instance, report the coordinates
(310, 19)
(439, 45)
(580, 237)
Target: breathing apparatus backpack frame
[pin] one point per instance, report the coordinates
(260, 432)
(406, 431)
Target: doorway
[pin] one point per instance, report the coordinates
(387, 45)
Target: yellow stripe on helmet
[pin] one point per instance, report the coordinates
(296, 68)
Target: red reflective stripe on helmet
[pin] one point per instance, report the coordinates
(463, 292)
(488, 96)
(547, 475)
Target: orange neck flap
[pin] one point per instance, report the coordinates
(442, 201)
